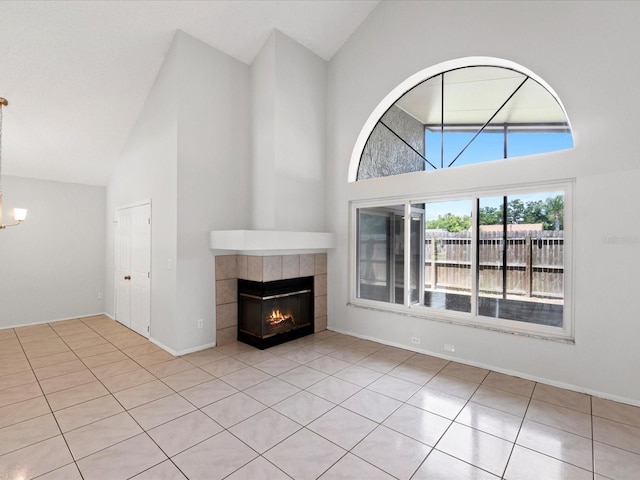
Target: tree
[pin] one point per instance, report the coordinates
(450, 223)
(515, 211)
(554, 207)
(549, 212)
(534, 212)
(490, 216)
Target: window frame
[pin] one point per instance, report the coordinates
(565, 333)
(409, 83)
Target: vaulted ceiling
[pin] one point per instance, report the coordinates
(76, 73)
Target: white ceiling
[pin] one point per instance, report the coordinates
(76, 73)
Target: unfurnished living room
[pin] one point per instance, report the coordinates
(327, 239)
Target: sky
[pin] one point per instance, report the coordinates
(490, 146)
(486, 147)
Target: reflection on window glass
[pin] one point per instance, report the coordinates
(486, 147)
(462, 117)
(381, 251)
(374, 255)
(521, 261)
(447, 255)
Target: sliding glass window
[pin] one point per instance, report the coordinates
(497, 259)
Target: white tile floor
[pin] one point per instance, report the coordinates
(90, 399)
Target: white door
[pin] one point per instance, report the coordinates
(133, 268)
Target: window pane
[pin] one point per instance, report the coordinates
(487, 146)
(381, 250)
(374, 251)
(527, 143)
(447, 255)
(521, 264)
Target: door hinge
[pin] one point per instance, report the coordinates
(148, 274)
(148, 221)
(147, 328)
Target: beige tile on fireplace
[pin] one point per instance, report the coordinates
(243, 266)
(320, 306)
(226, 267)
(320, 285)
(272, 268)
(290, 266)
(226, 291)
(225, 336)
(319, 324)
(254, 268)
(307, 264)
(226, 315)
(320, 263)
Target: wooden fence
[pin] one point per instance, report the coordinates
(535, 262)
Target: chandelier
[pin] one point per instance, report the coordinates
(19, 213)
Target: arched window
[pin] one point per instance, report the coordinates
(497, 256)
(462, 116)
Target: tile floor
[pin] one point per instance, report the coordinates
(90, 399)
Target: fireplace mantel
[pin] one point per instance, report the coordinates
(270, 241)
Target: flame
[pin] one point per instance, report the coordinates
(278, 317)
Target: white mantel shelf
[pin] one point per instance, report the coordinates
(253, 241)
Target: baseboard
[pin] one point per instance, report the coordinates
(178, 353)
(54, 320)
(533, 378)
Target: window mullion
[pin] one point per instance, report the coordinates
(475, 262)
(407, 254)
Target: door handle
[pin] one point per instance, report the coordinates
(127, 277)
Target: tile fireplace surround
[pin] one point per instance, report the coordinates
(229, 268)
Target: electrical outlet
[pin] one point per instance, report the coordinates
(415, 340)
(100, 296)
(449, 348)
(200, 323)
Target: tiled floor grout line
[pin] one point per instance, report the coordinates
(134, 419)
(125, 410)
(515, 440)
(451, 424)
(306, 426)
(50, 411)
(310, 345)
(109, 394)
(270, 407)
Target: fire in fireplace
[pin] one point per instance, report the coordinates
(270, 313)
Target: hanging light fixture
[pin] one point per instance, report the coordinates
(19, 213)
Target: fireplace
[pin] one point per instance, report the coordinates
(270, 313)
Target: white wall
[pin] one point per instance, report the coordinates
(584, 51)
(189, 153)
(288, 87)
(214, 178)
(147, 170)
(51, 266)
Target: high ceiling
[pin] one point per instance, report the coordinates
(76, 73)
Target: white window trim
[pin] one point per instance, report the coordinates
(565, 334)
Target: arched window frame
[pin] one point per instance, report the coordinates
(405, 307)
(390, 99)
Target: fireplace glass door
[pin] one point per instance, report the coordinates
(273, 312)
